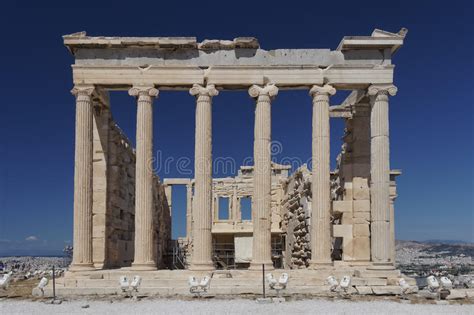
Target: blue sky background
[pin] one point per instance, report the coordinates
(431, 118)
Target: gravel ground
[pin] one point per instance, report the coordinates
(8, 306)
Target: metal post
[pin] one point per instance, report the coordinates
(263, 279)
(54, 285)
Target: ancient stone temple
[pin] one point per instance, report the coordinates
(312, 222)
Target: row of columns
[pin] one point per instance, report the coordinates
(261, 202)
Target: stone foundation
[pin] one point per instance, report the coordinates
(167, 283)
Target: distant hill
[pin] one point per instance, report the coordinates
(440, 248)
(452, 242)
(447, 242)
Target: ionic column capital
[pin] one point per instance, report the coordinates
(143, 91)
(269, 90)
(322, 90)
(386, 89)
(199, 90)
(85, 90)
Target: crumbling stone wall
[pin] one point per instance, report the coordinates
(114, 198)
(296, 216)
(241, 186)
(162, 220)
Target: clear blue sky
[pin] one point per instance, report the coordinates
(431, 118)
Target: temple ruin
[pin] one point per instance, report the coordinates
(310, 223)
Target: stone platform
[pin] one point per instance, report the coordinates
(169, 283)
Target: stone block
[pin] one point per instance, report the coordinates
(360, 221)
(98, 230)
(361, 230)
(99, 202)
(347, 218)
(347, 249)
(342, 205)
(98, 253)
(361, 190)
(386, 290)
(361, 194)
(98, 220)
(362, 215)
(456, 294)
(469, 293)
(361, 205)
(364, 290)
(342, 230)
(348, 195)
(361, 248)
(99, 182)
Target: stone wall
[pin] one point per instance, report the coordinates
(351, 191)
(121, 219)
(162, 219)
(114, 198)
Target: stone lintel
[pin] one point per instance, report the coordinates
(177, 181)
(233, 77)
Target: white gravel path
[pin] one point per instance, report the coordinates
(228, 307)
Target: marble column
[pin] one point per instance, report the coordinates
(380, 248)
(202, 205)
(321, 186)
(262, 181)
(144, 258)
(82, 255)
(189, 207)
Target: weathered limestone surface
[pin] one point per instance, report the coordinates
(144, 258)
(380, 173)
(202, 238)
(82, 258)
(261, 202)
(321, 203)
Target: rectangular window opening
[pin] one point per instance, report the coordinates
(223, 208)
(246, 208)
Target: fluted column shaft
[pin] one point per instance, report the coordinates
(202, 205)
(262, 181)
(189, 202)
(321, 187)
(82, 255)
(144, 258)
(380, 174)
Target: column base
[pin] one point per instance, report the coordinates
(320, 264)
(82, 267)
(381, 266)
(150, 266)
(209, 266)
(257, 266)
